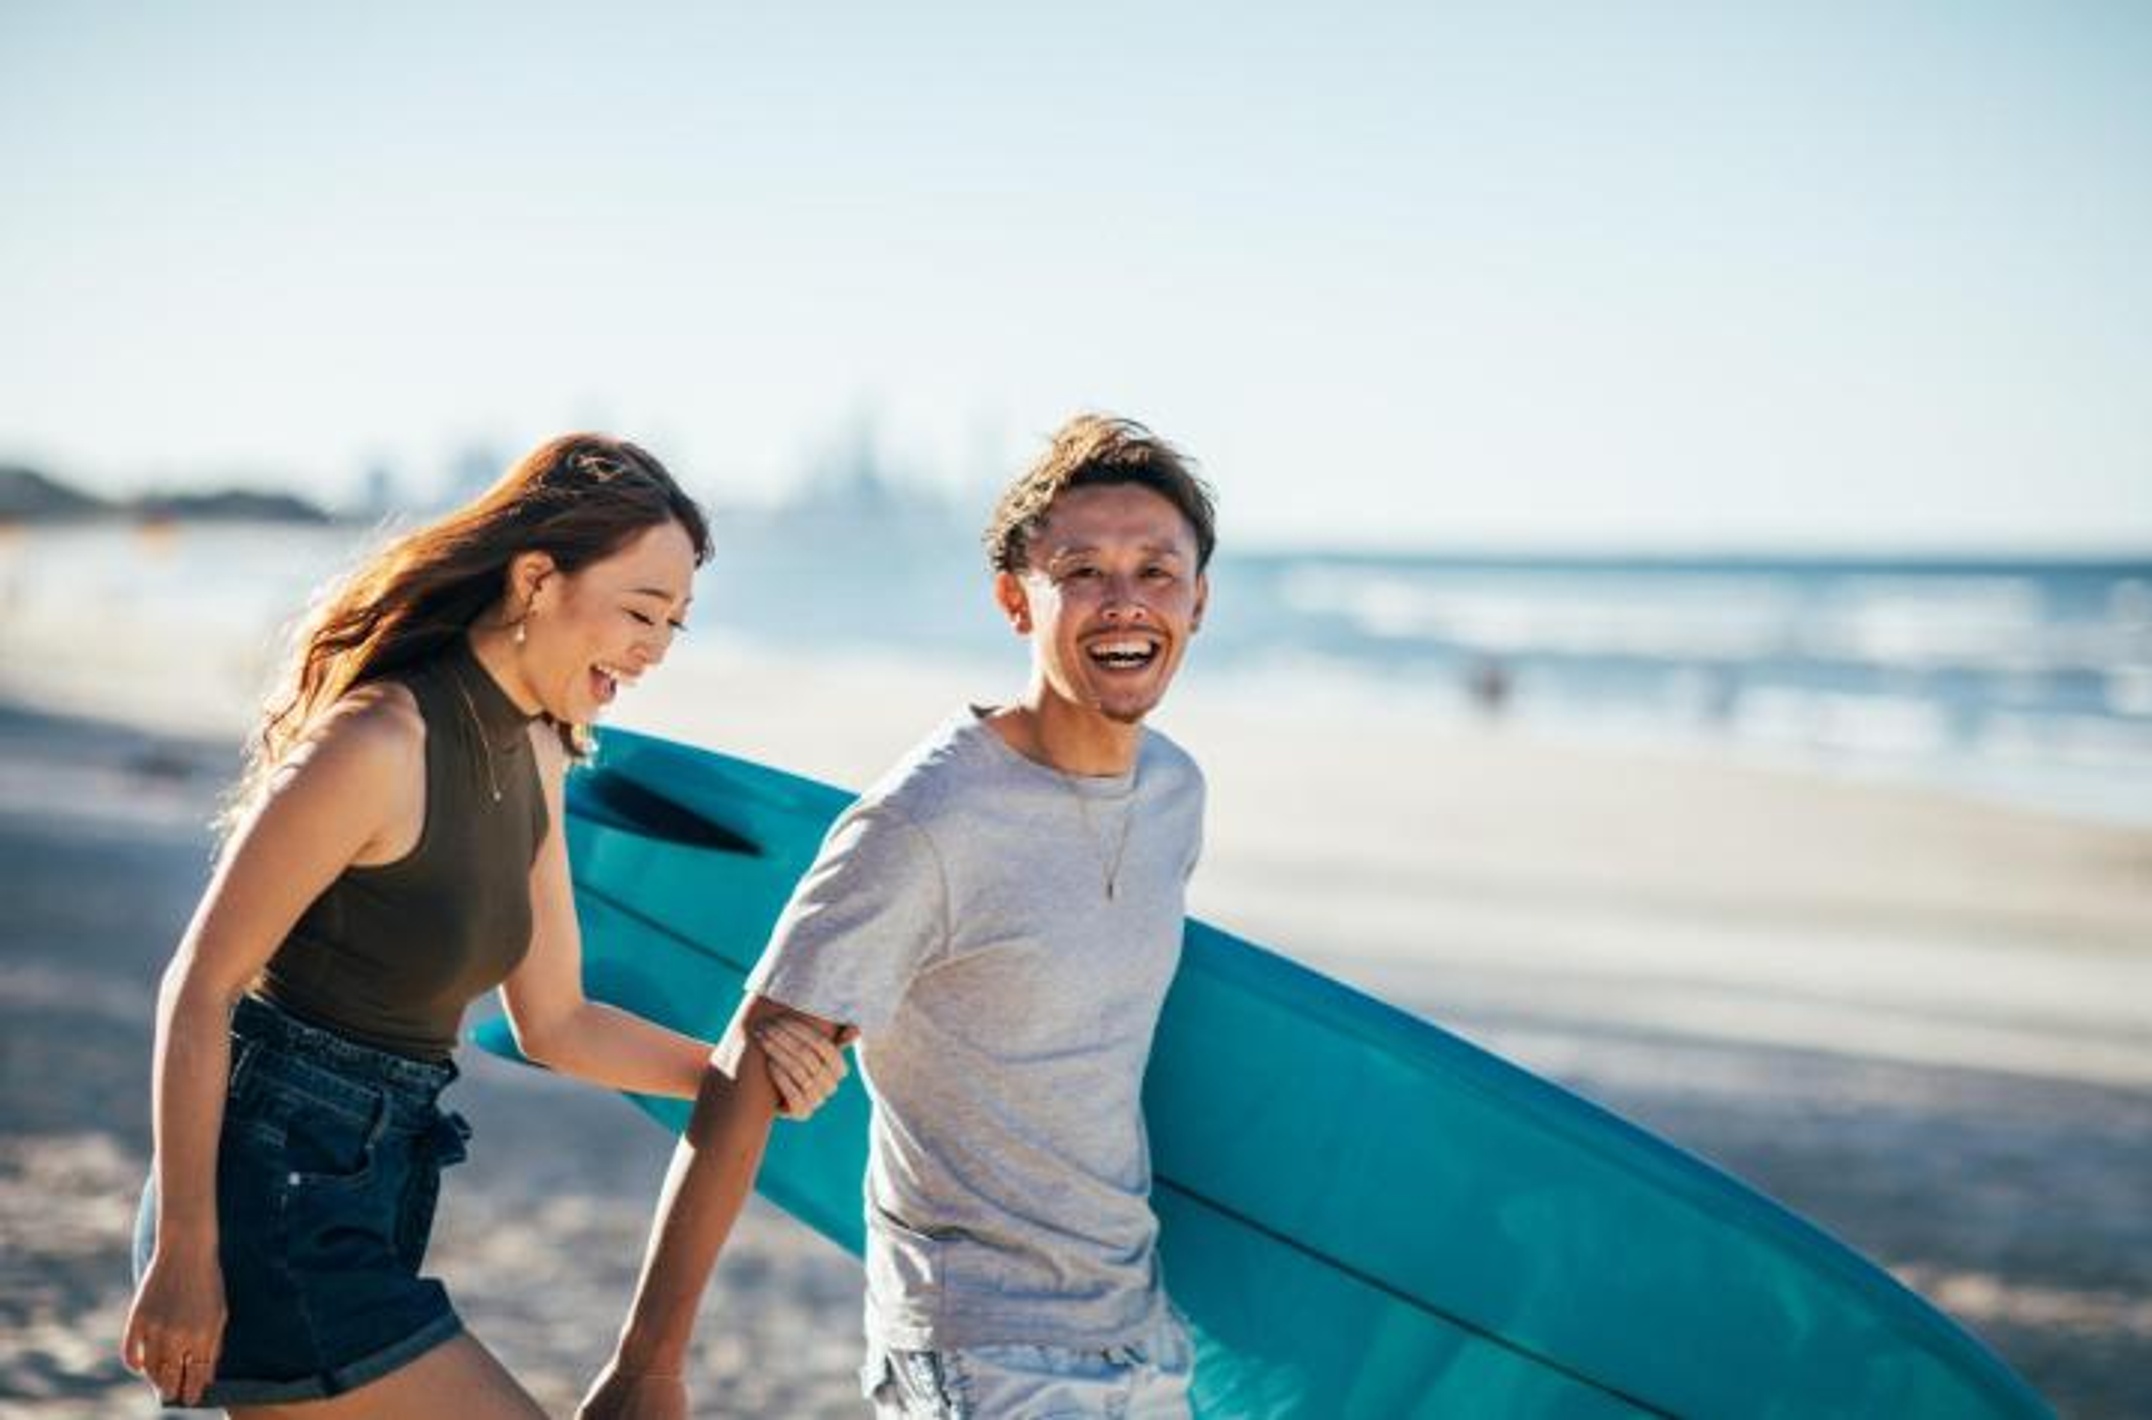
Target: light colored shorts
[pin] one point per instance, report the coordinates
(1145, 1381)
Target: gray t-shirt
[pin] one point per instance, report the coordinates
(958, 914)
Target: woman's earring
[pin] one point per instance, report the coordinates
(522, 631)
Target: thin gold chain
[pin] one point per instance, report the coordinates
(1098, 840)
(485, 741)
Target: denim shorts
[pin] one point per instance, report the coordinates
(328, 1170)
(1148, 1380)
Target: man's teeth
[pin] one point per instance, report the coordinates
(1124, 653)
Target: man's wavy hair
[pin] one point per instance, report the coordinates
(1090, 451)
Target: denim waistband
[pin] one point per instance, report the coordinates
(305, 1044)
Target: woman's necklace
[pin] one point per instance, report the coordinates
(478, 726)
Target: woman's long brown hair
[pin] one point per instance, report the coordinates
(578, 498)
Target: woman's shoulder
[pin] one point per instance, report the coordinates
(362, 757)
(377, 723)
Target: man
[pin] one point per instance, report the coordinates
(998, 919)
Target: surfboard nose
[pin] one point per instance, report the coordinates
(608, 797)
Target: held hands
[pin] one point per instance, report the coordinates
(176, 1326)
(805, 1066)
(619, 1394)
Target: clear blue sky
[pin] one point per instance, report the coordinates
(1777, 275)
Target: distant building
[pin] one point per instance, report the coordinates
(471, 473)
(378, 494)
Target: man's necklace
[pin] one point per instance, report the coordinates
(478, 726)
(1110, 865)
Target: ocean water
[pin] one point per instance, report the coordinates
(2029, 680)
(2019, 679)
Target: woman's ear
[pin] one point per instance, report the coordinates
(529, 573)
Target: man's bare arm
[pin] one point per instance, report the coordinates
(712, 1169)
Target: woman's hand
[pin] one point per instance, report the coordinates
(805, 1065)
(176, 1326)
(619, 1394)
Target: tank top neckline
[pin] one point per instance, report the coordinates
(500, 719)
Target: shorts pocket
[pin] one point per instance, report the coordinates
(326, 1147)
(338, 1195)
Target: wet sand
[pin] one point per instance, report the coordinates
(1921, 1023)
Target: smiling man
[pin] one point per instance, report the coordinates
(998, 919)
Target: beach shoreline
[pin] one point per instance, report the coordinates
(1939, 1061)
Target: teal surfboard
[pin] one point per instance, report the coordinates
(1362, 1215)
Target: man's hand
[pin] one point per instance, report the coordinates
(805, 1065)
(620, 1394)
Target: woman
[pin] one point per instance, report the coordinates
(395, 850)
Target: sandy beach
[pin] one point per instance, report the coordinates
(1924, 1023)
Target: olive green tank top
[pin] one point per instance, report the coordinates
(390, 954)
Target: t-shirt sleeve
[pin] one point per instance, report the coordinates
(871, 913)
(1195, 844)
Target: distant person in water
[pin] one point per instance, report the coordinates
(1489, 684)
(999, 917)
(396, 849)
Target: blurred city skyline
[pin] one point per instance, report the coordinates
(1679, 277)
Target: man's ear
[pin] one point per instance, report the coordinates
(1195, 622)
(1014, 600)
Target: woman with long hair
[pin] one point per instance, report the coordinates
(396, 849)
